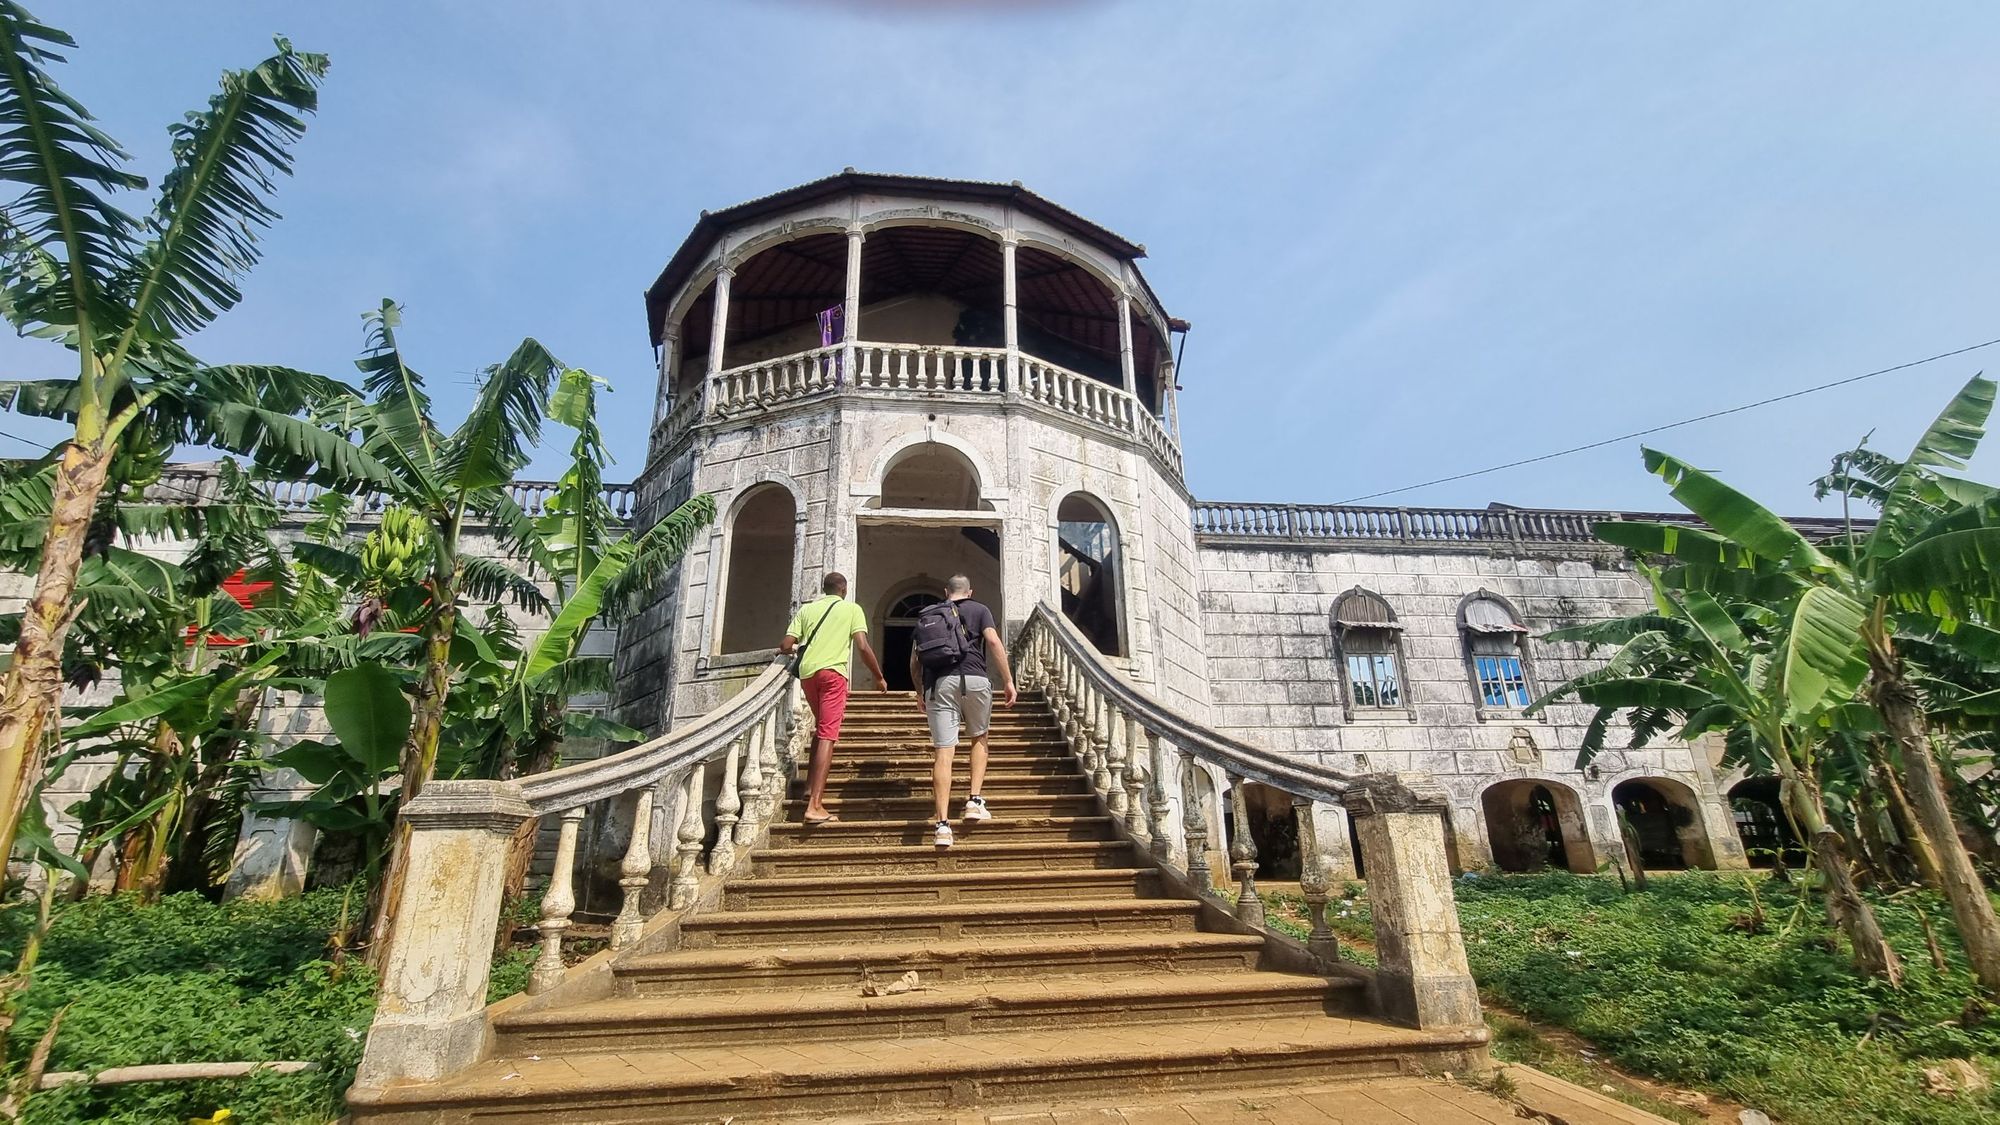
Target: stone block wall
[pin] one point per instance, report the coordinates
(1267, 615)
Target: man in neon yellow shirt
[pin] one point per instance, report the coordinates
(831, 628)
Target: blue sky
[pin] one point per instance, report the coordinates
(1413, 239)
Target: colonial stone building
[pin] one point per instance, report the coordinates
(904, 378)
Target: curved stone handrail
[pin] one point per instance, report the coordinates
(1122, 737)
(430, 1016)
(1233, 755)
(645, 764)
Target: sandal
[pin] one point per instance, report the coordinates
(815, 821)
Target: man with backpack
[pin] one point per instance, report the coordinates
(832, 628)
(953, 640)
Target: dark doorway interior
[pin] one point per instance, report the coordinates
(1761, 824)
(1656, 821)
(898, 627)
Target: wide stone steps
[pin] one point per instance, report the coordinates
(944, 890)
(884, 1078)
(903, 830)
(849, 765)
(968, 1008)
(997, 787)
(999, 741)
(716, 971)
(992, 921)
(1048, 969)
(970, 855)
(924, 808)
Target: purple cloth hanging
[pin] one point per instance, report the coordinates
(832, 330)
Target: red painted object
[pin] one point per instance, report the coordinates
(245, 592)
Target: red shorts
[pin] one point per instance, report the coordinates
(826, 693)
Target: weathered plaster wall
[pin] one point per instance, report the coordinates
(1268, 626)
(834, 452)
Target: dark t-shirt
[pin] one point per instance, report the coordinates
(976, 619)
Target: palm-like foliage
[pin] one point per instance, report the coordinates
(121, 292)
(1700, 663)
(1926, 573)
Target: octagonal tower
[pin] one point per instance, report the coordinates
(903, 378)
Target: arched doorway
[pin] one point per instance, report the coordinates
(1757, 805)
(931, 475)
(1534, 825)
(1087, 567)
(899, 623)
(1664, 816)
(758, 583)
(927, 524)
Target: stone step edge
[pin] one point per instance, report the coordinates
(903, 822)
(960, 951)
(1108, 992)
(663, 1073)
(943, 878)
(760, 919)
(918, 853)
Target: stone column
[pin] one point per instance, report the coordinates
(850, 309)
(1422, 978)
(1170, 403)
(1125, 344)
(670, 357)
(430, 1018)
(272, 855)
(719, 326)
(1010, 313)
(1336, 851)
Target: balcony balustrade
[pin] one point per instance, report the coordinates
(897, 370)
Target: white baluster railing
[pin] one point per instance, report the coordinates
(923, 369)
(435, 979)
(1129, 745)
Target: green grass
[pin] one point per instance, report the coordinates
(1671, 983)
(189, 981)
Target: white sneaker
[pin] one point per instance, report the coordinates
(942, 837)
(975, 809)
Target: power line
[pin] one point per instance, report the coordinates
(1675, 425)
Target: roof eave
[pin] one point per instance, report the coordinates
(694, 248)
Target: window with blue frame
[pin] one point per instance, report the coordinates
(1493, 639)
(1502, 682)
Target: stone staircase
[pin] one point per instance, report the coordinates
(1055, 965)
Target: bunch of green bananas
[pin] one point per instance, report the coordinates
(397, 551)
(139, 457)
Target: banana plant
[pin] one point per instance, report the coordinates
(355, 794)
(1702, 663)
(122, 293)
(1929, 564)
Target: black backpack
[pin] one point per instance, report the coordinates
(940, 638)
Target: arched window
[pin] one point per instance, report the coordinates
(931, 475)
(757, 585)
(1087, 570)
(1495, 652)
(1368, 651)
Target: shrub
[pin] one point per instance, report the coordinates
(190, 981)
(1671, 983)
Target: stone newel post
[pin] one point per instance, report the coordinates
(1422, 976)
(431, 1015)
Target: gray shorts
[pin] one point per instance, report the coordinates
(945, 703)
